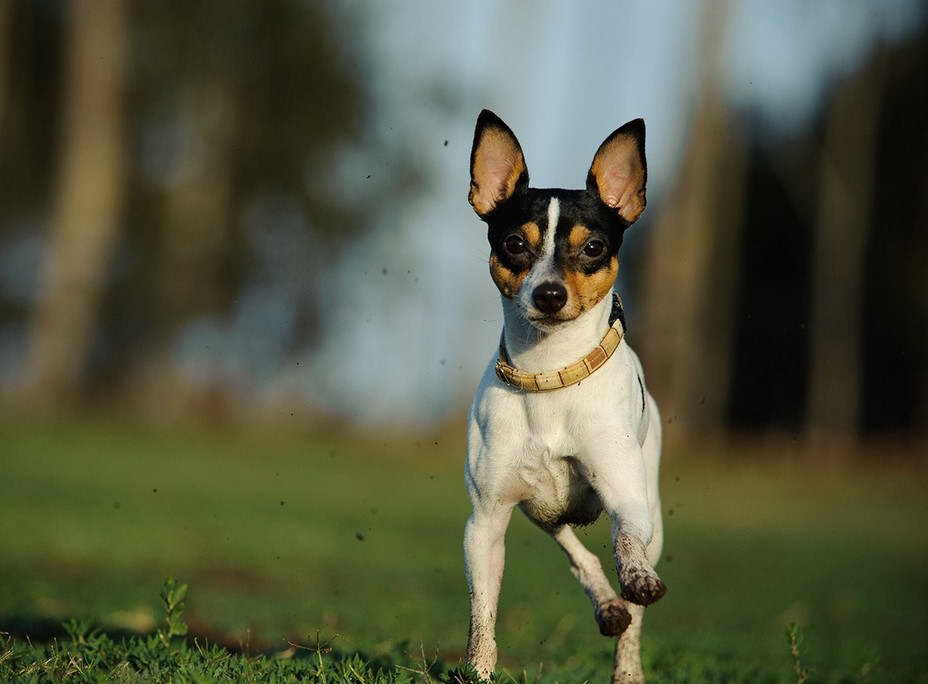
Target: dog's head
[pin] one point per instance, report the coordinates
(555, 252)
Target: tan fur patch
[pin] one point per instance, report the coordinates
(498, 164)
(588, 290)
(579, 234)
(506, 280)
(532, 234)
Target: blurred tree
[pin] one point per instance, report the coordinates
(242, 114)
(237, 119)
(833, 312)
(770, 349)
(691, 280)
(846, 169)
(6, 12)
(90, 198)
(895, 303)
(30, 128)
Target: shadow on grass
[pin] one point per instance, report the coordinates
(42, 630)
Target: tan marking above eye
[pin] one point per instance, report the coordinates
(507, 281)
(532, 234)
(588, 290)
(579, 234)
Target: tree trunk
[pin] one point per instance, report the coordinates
(90, 194)
(196, 226)
(845, 205)
(6, 10)
(198, 209)
(691, 276)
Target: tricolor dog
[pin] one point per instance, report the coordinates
(562, 424)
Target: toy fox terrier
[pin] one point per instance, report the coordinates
(562, 424)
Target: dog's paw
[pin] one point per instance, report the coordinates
(642, 586)
(612, 617)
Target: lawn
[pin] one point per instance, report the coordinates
(309, 551)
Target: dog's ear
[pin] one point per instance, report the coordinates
(620, 171)
(497, 166)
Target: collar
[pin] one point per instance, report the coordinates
(574, 373)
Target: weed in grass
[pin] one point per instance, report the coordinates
(425, 667)
(794, 637)
(464, 674)
(172, 597)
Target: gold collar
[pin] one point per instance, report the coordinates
(570, 375)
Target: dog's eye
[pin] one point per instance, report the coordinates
(514, 244)
(594, 248)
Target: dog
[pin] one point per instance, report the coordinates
(562, 424)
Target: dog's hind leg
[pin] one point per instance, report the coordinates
(615, 616)
(628, 650)
(611, 614)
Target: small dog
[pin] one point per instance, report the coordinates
(562, 424)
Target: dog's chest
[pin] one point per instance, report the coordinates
(527, 446)
(544, 463)
(554, 492)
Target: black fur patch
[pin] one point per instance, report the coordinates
(618, 314)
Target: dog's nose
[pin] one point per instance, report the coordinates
(550, 297)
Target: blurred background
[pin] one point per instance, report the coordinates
(224, 222)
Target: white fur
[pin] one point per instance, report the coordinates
(543, 269)
(554, 215)
(539, 448)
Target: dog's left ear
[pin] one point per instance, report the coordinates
(620, 171)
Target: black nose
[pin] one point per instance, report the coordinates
(550, 298)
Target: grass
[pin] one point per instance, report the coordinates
(332, 557)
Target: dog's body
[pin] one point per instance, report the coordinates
(565, 455)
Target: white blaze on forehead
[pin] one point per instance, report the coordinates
(554, 214)
(544, 266)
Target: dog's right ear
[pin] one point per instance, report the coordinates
(497, 166)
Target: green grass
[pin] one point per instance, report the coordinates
(349, 548)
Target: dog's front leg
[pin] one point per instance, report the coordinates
(615, 467)
(484, 557)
